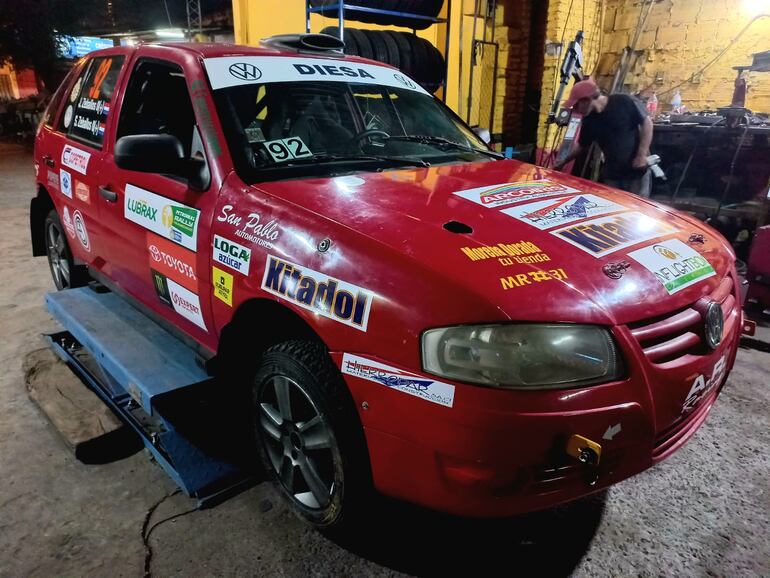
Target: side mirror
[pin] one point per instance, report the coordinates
(163, 154)
(483, 134)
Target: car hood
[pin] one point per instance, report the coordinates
(535, 243)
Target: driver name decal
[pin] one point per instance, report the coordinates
(423, 387)
(494, 196)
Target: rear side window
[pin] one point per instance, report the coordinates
(88, 109)
(53, 107)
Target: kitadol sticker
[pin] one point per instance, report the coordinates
(562, 210)
(675, 264)
(423, 387)
(163, 216)
(494, 196)
(229, 71)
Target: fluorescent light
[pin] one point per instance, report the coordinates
(169, 33)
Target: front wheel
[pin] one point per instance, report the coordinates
(65, 273)
(308, 434)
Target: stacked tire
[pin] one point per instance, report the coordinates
(415, 56)
(429, 8)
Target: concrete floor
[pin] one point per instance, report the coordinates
(704, 512)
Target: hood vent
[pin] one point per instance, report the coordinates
(458, 227)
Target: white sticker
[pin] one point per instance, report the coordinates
(329, 297)
(80, 229)
(287, 149)
(231, 254)
(65, 183)
(75, 159)
(67, 220)
(703, 385)
(226, 71)
(163, 216)
(606, 235)
(68, 116)
(186, 303)
(675, 264)
(556, 212)
(494, 196)
(423, 387)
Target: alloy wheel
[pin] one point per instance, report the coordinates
(56, 246)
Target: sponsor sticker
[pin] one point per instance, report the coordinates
(163, 216)
(76, 90)
(75, 159)
(52, 180)
(223, 285)
(675, 264)
(227, 71)
(494, 196)
(423, 387)
(182, 300)
(329, 297)
(68, 116)
(231, 254)
(67, 220)
(173, 261)
(251, 228)
(83, 192)
(556, 212)
(80, 229)
(703, 385)
(65, 182)
(532, 277)
(605, 235)
(507, 253)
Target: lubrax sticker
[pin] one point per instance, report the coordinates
(319, 293)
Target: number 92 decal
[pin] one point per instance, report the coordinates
(286, 149)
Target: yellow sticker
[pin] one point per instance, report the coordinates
(532, 277)
(223, 285)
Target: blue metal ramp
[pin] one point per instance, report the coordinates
(153, 382)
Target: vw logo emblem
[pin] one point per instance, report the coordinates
(405, 81)
(714, 324)
(245, 71)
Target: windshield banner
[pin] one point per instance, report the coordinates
(229, 71)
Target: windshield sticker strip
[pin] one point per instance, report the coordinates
(605, 235)
(227, 71)
(675, 264)
(494, 196)
(423, 387)
(555, 212)
(163, 216)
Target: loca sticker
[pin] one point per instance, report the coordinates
(231, 254)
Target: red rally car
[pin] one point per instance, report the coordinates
(410, 312)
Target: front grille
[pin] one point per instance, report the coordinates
(669, 439)
(669, 337)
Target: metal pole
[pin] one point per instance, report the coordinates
(448, 33)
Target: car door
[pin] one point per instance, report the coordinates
(156, 252)
(74, 155)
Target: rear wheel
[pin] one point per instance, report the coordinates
(308, 434)
(65, 273)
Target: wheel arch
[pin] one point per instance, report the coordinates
(39, 207)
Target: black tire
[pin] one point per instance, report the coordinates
(365, 49)
(326, 485)
(378, 45)
(394, 58)
(66, 274)
(404, 51)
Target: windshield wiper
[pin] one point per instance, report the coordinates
(332, 159)
(445, 143)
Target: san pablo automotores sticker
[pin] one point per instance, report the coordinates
(423, 387)
(163, 216)
(561, 211)
(675, 264)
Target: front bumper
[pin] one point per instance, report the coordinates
(503, 452)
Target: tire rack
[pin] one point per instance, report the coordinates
(341, 7)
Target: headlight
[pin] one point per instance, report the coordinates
(537, 356)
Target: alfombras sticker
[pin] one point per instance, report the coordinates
(227, 71)
(508, 193)
(674, 264)
(319, 293)
(163, 216)
(605, 235)
(423, 387)
(75, 159)
(555, 212)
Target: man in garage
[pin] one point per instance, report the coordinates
(619, 125)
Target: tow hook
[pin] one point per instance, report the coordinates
(587, 452)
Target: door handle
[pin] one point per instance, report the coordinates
(108, 195)
(48, 160)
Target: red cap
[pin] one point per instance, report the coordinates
(583, 89)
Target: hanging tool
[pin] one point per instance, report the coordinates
(571, 67)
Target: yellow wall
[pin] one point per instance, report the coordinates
(681, 37)
(8, 70)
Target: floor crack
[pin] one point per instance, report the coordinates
(147, 529)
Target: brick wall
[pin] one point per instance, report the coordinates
(680, 37)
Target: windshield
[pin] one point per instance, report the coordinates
(329, 125)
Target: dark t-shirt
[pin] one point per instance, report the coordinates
(616, 131)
